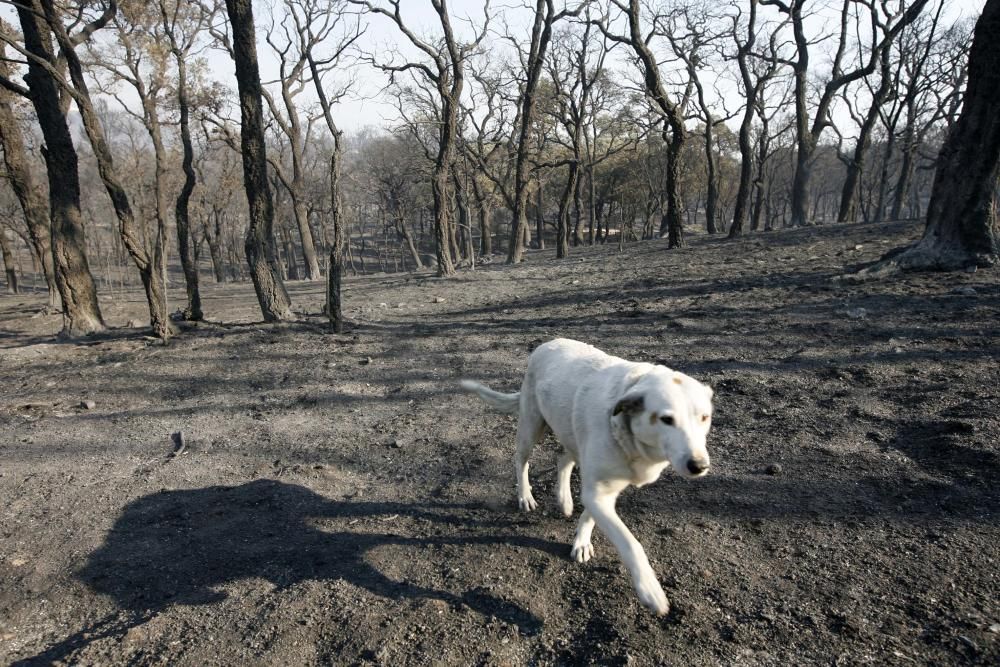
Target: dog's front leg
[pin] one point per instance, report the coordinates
(600, 503)
(583, 548)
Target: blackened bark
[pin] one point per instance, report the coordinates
(213, 234)
(181, 209)
(464, 214)
(81, 313)
(539, 216)
(28, 193)
(485, 220)
(335, 271)
(8, 262)
(274, 302)
(569, 194)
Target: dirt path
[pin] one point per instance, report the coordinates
(339, 501)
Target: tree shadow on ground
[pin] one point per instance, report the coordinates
(181, 547)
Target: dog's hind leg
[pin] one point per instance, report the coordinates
(566, 463)
(530, 429)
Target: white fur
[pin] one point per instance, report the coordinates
(607, 414)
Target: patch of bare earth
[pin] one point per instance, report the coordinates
(340, 501)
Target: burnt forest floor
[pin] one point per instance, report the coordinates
(340, 501)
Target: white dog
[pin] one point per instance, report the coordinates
(623, 422)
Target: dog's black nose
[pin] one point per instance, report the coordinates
(696, 467)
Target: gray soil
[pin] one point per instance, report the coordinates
(340, 501)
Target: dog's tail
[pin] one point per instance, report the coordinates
(508, 403)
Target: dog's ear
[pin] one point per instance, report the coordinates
(630, 405)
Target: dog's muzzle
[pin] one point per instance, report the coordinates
(697, 467)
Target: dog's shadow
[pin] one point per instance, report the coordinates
(182, 547)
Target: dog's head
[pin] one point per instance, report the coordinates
(665, 416)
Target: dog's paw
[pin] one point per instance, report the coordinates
(527, 502)
(581, 553)
(651, 594)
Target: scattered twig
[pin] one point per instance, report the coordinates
(179, 445)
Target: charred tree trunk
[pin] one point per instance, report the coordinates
(274, 302)
(464, 215)
(29, 195)
(569, 193)
(906, 167)
(485, 220)
(335, 271)
(672, 223)
(181, 212)
(411, 246)
(591, 205)
(442, 236)
(8, 263)
(539, 216)
(213, 234)
(81, 313)
(301, 213)
(674, 133)
(751, 91)
(712, 196)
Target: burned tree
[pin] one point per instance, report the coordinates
(961, 229)
(541, 34)
(446, 73)
(674, 132)
(81, 313)
(884, 30)
(315, 22)
(150, 262)
(264, 271)
(181, 23)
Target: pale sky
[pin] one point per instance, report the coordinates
(367, 108)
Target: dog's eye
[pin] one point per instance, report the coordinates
(668, 420)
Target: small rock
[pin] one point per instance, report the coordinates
(366, 361)
(858, 247)
(575, 282)
(705, 574)
(88, 405)
(995, 628)
(400, 305)
(965, 290)
(383, 305)
(773, 469)
(18, 562)
(971, 269)
(857, 313)
(439, 299)
(398, 443)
